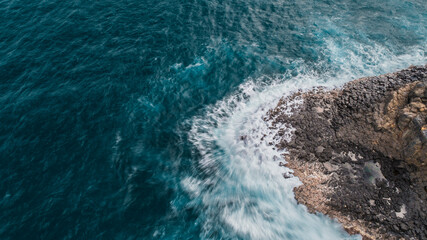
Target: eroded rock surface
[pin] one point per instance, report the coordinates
(361, 153)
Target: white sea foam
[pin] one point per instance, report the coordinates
(242, 193)
(245, 194)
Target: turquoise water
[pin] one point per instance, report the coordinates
(123, 119)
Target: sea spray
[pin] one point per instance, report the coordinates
(143, 119)
(242, 192)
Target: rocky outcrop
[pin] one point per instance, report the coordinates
(361, 153)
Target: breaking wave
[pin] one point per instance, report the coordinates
(241, 192)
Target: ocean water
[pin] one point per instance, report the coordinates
(133, 119)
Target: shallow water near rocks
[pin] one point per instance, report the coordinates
(143, 119)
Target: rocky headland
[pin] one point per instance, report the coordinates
(361, 152)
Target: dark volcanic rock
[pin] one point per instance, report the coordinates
(361, 152)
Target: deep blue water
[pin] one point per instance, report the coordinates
(121, 119)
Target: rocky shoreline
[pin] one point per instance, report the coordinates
(361, 152)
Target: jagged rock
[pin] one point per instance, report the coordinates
(361, 153)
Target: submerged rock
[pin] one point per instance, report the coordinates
(361, 153)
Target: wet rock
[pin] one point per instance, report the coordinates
(361, 153)
(287, 175)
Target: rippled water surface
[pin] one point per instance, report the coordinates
(124, 119)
